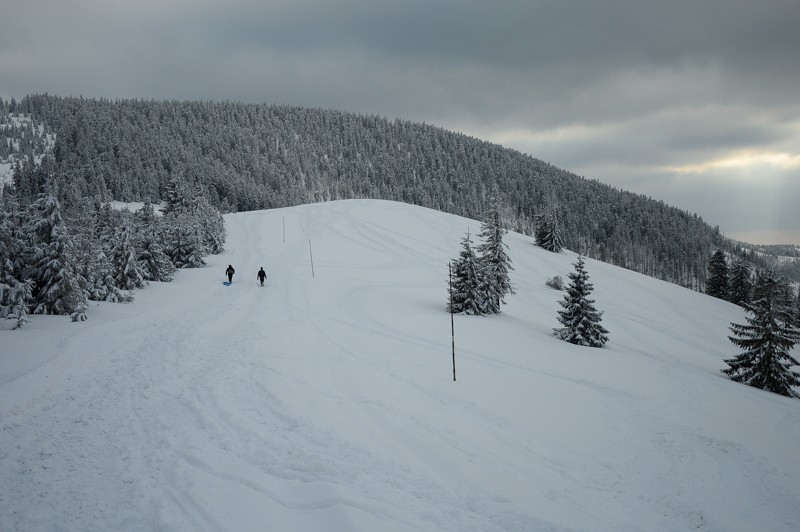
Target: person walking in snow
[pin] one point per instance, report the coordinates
(229, 272)
(262, 275)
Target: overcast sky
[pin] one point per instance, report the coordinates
(695, 102)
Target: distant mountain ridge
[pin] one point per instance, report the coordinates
(252, 156)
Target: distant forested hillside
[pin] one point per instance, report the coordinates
(246, 157)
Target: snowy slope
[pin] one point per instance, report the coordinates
(327, 402)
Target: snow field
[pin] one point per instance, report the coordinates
(327, 403)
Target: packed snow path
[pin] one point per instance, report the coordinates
(327, 402)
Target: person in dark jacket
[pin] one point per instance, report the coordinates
(262, 275)
(229, 272)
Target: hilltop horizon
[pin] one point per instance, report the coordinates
(774, 237)
(245, 157)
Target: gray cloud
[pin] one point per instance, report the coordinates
(615, 90)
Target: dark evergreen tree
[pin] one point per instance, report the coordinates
(127, 271)
(540, 228)
(763, 284)
(105, 225)
(19, 297)
(11, 251)
(19, 180)
(717, 282)
(784, 295)
(741, 283)
(185, 243)
(52, 261)
(155, 264)
(152, 257)
(767, 340)
(548, 233)
(580, 320)
(493, 260)
(465, 294)
(94, 266)
(212, 225)
(146, 217)
(797, 310)
(178, 198)
(103, 285)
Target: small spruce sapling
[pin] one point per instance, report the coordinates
(19, 297)
(580, 320)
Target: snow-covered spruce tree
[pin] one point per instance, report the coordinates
(540, 227)
(103, 287)
(185, 244)
(767, 339)
(547, 232)
(155, 264)
(146, 217)
(106, 222)
(52, 262)
(153, 259)
(763, 284)
(556, 241)
(741, 283)
(212, 225)
(797, 310)
(785, 294)
(493, 260)
(464, 294)
(15, 295)
(95, 268)
(181, 201)
(12, 249)
(580, 320)
(7, 277)
(7, 283)
(717, 282)
(128, 272)
(177, 197)
(19, 297)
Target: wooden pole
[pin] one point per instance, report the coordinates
(312, 257)
(452, 326)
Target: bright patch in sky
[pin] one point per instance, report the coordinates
(745, 160)
(767, 236)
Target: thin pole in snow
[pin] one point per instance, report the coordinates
(452, 326)
(284, 229)
(312, 257)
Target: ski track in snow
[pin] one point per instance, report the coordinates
(325, 404)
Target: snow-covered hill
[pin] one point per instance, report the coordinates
(327, 402)
(37, 141)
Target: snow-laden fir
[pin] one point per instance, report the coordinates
(327, 402)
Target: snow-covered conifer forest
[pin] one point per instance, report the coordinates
(242, 157)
